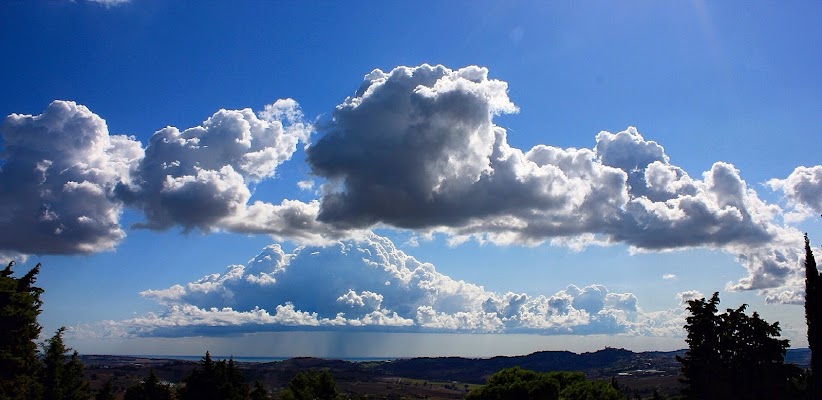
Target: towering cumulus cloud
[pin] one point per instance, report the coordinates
(64, 180)
(57, 181)
(197, 177)
(369, 284)
(417, 148)
(414, 148)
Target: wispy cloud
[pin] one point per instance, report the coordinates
(110, 3)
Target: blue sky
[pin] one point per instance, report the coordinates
(460, 199)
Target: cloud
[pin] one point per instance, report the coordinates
(57, 181)
(197, 177)
(688, 295)
(370, 284)
(65, 180)
(414, 148)
(669, 277)
(417, 148)
(803, 189)
(306, 184)
(110, 3)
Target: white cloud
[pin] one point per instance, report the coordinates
(370, 284)
(110, 3)
(306, 184)
(688, 295)
(803, 189)
(417, 148)
(198, 177)
(669, 277)
(64, 180)
(414, 148)
(57, 181)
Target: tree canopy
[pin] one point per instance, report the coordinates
(311, 385)
(19, 308)
(518, 383)
(732, 355)
(220, 380)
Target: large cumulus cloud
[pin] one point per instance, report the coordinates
(197, 177)
(65, 180)
(57, 181)
(417, 148)
(370, 284)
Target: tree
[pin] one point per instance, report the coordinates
(150, 389)
(106, 392)
(732, 355)
(259, 392)
(311, 385)
(813, 317)
(518, 383)
(590, 390)
(219, 380)
(19, 308)
(62, 376)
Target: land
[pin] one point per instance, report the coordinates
(422, 378)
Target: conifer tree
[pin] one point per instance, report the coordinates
(259, 392)
(219, 380)
(813, 317)
(62, 376)
(150, 389)
(106, 392)
(19, 307)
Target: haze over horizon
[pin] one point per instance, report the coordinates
(347, 180)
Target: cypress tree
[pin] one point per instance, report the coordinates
(813, 317)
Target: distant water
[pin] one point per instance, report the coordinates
(258, 359)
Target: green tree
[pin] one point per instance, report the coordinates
(813, 317)
(19, 308)
(311, 385)
(150, 389)
(62, 376)
(590, 390)
(518, 383)
(732, 355)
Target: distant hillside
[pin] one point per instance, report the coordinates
(604, 363)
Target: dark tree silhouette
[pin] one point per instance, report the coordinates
(150, 389)
(19, 307)
(259, 392)
(732, 355)
(62, 375)
(219, 380)
(106, 392)
(813, 317)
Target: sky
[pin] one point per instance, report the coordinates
(403, 179)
